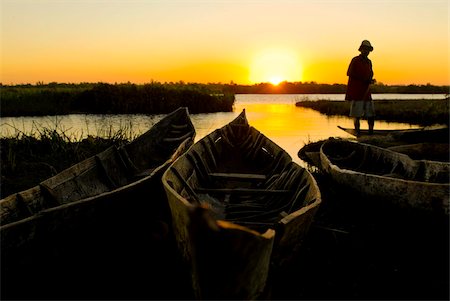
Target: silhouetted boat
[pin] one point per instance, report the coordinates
(363, 132)
(425, 134)
(382, 174)
(238, 204)
(117, 184)
(310, 153)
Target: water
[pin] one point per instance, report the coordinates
(275, 115)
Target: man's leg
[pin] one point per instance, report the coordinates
(371, 122)
(357, 125)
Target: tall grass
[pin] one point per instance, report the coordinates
(28, 159)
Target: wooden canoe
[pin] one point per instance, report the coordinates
(119, 184)
(310, 153)
(424, 134)
(364, 132)
(382, 174)
(239, 204)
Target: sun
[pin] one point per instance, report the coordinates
(275, 80)
(275, 66)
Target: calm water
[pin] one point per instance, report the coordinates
(276, 116)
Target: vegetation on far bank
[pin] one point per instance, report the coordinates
(317, 88)
(102, 98)
(421, 111)
(159, 98)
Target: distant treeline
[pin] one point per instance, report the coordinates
(316, 88)
(158, 98)
(102, 98)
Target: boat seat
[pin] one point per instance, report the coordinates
(237, 176)
(144, 173)
(241, 190)
(179, 126)
(49, 195)
(104, 172)
(177, 139)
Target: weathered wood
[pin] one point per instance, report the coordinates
(241, 190)
(424, 134)
(230, 195)
(363, 132)
(238, 176)
(177, 139)
(102, 185)
(379, 173)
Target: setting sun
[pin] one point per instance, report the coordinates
(275, 66)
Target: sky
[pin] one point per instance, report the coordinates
(222, 41)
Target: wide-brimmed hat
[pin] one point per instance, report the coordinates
(365, 44)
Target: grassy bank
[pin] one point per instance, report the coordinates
(29, 159)
(421, 112)
(101, 98)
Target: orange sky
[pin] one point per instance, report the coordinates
(242, 41)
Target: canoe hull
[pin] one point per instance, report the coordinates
(230, 257)
(103, 194)
(397, 177)
(425, 134)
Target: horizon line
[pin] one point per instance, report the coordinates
(42, 83)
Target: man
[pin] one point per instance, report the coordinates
(360, 76)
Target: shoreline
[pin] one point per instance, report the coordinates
(418, 112)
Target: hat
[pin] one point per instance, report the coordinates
(365, 44)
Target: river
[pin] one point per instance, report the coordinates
(275, 115)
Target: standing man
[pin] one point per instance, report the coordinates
(360, 76)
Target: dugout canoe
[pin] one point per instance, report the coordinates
(382, 174)
(436, 134)
(116, 185)
(382, 132)
(239, 204)
(310, 153)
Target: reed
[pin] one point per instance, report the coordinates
(421, 112)
(28, 159)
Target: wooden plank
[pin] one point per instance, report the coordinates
(177, 139)
(238, 176)
(241, 190)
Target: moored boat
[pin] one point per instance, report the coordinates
(435, 134)
(239, 205)
(364, 132)
(310, 153)
(382, 174)
(112, 185)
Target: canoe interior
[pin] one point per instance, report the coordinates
(243, 177)
(425, 151)
(374, 160)
(238, 204)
